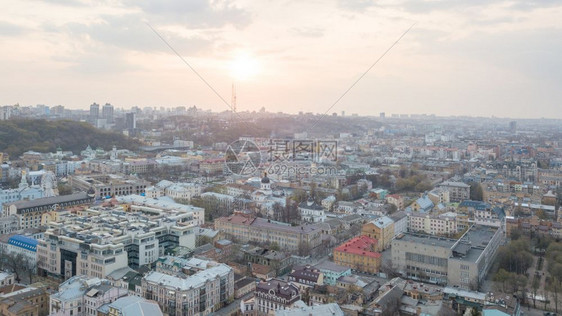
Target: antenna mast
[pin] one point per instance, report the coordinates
(233, 102)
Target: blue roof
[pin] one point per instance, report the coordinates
(425, 203)
(25, 242)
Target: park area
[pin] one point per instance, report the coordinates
(530, 266)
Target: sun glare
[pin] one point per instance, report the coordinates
(244, 67)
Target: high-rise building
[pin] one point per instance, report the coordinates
(382, 115)
(513, 126)
(130, 122)
(107, 113)
(94, 112)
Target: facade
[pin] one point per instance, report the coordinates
(102, 241)
(458, 191)
(29, 212)
(23, 192)
(108, 185)
(81, 295)
(311, 212)
(332, 272)
(442, 225)
(400, 219)
(306, 276)
(463, 262)
(275, 295)
(6, 278)
(395, 200)
(22, 245)
(28, 301)
(381, 229)
(439, 196)
(245, 228)
(183, 191)
(359, 254)
(199, 294)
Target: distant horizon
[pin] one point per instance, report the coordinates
(347, 115)
(482, 58)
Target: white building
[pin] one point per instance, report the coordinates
(311, 212)
(199, 294)
(81, 295)
(444, 224)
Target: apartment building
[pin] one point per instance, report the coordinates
(102, 241)
(82, 296)
(199, 294)
(463, 262)
(359, 254)
(443, 224)
(306, 276)
(24, 301)
(275, 295)
(381, 229)
(458, 191)
(247, 228)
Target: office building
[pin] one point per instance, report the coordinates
(94, 113)
(107, 113)
(104, 240)
(463, 262)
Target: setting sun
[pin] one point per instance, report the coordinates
(244, 67)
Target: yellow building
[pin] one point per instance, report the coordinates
(359, 254)
(381, 229)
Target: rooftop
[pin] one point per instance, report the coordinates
(362, 245)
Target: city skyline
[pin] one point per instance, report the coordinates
(478, 59)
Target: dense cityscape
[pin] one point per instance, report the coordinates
(190, 212)
(280, 158)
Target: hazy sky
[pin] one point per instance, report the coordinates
(471, 57)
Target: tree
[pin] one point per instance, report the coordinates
(476, 193)
(64, 189)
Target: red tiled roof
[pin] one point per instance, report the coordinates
(361, 245)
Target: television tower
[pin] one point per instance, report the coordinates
(233, 102)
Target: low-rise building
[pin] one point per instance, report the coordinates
(443, 224)
(332, 271)
(359, 254)
(247, 228)
(381, 229)
(463, 262)
(81, 295)
(275, 295)
(199, 294)
(29, 213)
(306, 276)
(458, 191)
(130, 306)
(18, 301)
